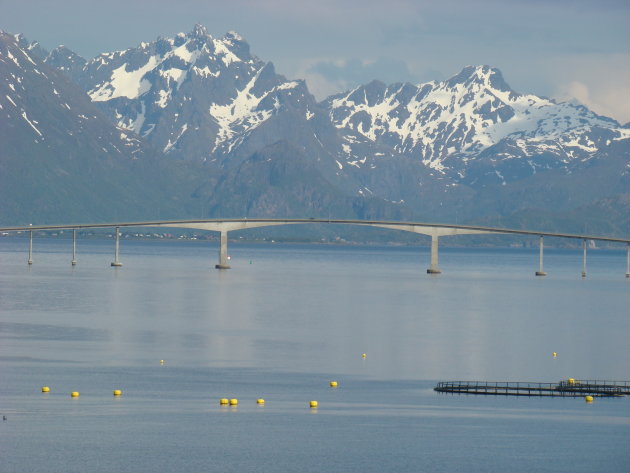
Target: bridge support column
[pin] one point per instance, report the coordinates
(116, 262)
(584, 259)
(30, 247)
(74, 247)
(541, 271)
(223, 252)
(628, 263)
(434, 256)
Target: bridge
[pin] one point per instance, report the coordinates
(224, 226)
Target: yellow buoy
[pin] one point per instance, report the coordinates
(363, 355)
(117, 392)
(74, 394)
(260, 401)
(313, 404)
(233, 402)
(571, 381)
(45, 389)
(588, 398)
(333, 384)
(224, 401)
(554, 354)
(161, 362)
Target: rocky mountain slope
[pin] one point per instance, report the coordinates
(61, 158)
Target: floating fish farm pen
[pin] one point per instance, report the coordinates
(568, 388)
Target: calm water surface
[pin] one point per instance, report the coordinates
(280, 325)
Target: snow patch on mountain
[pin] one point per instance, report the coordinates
(170, 145)
(125, 83)
(205, 72)
(182, 52)
(244, 113)
(133, 124)
(624, 134)
(174, 74)
(223, 52)
(31, 123)
(242, 110)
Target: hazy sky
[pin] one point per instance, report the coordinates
(564, 49)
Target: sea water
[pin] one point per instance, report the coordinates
(280, 325)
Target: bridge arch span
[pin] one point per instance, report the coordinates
(225, 226)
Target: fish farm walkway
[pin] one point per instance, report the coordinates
(568, 388)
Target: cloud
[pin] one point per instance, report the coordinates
(612, 100)
(575, 90)
(335, 11)
(589, 79)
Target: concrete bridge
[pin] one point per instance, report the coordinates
(224, 226)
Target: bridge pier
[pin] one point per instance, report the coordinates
(30, 247)
(116, 263)
(584, 259)
(541, 271)
(223, 251)
(433, 269)
(74, 247)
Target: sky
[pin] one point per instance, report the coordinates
(563, 49)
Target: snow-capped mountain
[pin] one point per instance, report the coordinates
(193, 96)
(472, 127)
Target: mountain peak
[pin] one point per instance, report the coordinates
(483, 74)
(64, 59)
(199, 31)
(32, 47)
(62, 49)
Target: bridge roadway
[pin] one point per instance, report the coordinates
(223, 226)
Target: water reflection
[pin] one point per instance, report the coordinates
(317, 309)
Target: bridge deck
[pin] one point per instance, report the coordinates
(252, 223)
